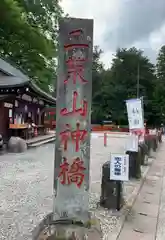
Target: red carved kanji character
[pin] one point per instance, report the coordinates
(65, 135)
(76, 61)
(75, 45)
(76, 174)
(73, 173)
(64, 168)
(76, 35)
(82, 110)
(78, 136)
(75, 70)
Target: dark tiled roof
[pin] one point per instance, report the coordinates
(41, 92)
(6, 81)
(11, 71)
(17, 78)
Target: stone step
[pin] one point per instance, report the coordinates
(41, 142)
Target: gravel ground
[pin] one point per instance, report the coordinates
(26, 187)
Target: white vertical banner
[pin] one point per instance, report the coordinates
(119, 167)
(135, 114)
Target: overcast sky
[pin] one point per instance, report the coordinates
(123, 23)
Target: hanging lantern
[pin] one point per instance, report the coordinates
(26, 108)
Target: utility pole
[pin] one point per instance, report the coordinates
(142, 101)
(138, 76)
(138, 88)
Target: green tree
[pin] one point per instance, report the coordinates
(98, 104)
(159, 92)
(28, 37)
(121, 83)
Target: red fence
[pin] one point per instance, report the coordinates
(101, 128)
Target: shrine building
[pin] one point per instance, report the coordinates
(22, 103)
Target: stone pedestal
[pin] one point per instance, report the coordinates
(154, 143)
(148, 142)
(134, 164)
(67, 230)
(111, 191)
(144, 154)
(160, 137)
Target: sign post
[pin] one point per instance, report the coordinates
(119, 172)
(135, 114)
(136, 127)
(119, 168)
(73, 120)
(136, 117)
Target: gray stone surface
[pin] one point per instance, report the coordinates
(17, 145)
(49, 227)
(142, 220)
(161, 218)
(26, 187)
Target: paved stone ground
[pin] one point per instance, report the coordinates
(161, 217)
(26, 187)
(146, 221)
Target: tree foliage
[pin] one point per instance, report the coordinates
(113, 86)
(28, 37)
(159, 93)
(97, 85)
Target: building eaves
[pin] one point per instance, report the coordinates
(10, 81)
(8, 69)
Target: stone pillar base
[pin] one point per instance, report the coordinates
(67, 230)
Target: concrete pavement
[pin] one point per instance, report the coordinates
(143, 222)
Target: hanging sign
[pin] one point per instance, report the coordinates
(16, 103)
(8, 105)
(132, 143)
(10, 113)
(135, 114)
(119, 167)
